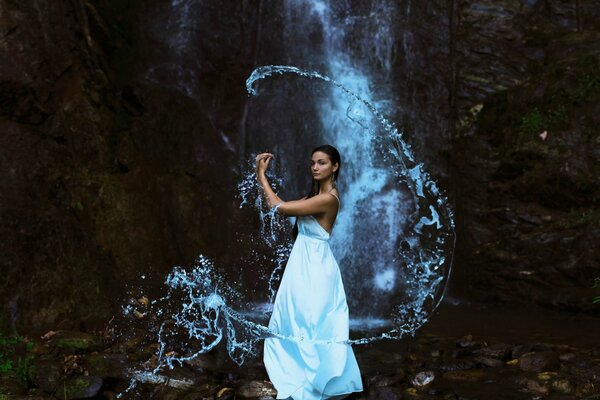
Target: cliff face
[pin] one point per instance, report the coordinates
(118, 150)
(104, 177)
(525, 151)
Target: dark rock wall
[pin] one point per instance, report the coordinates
(525, 151)
(106, 174)
(121, 132)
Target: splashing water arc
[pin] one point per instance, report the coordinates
(425, 261)
(198, 306)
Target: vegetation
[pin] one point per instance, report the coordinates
(554, 114)
(10, 361)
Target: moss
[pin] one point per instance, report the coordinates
(12, 360)
(578, 218)
(533, 123)
(484, 81)
(75, 343)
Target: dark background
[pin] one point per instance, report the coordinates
(110, 169)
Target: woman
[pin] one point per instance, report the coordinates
(311, 302)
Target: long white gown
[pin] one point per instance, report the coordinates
(311, 303)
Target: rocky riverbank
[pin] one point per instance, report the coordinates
(443, 361)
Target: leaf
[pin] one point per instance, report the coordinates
(48, 335)
(222, 391)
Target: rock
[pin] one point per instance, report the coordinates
(76, 341)
(80, 387)
(11, 384)
(204, 361)
(383, 380)
(458, 365)
(489, 362)
(109, 395)
(106, 365)
(500, 351)
(567, 357)
(467, 341)
(519, 350)
(254, 389)
(464, 376)
(562, 386)
(538, 362)
(176, 379)
(533, 386)
(47, 374)
(422, 379)
(585, 389)
(384, 393)
(546, 376)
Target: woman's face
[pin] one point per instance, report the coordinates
(321, 166)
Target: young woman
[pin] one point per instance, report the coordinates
(310, 303)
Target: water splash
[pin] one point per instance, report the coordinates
(432, 218)
(201, 309)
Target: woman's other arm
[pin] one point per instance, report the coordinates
(315, 205)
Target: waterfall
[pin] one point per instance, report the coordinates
(356, 43)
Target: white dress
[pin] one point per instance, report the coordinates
(311, 303)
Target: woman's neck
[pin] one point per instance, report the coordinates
(325, 187)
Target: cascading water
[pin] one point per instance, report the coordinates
(393, 236)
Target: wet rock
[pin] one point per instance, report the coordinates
(80, 387)
(253, 389)
(458, 365)
(204, 361)
(467, 341)
(11, 384)
(586, 389)
(176, 379)
(384, 393)
(422, 379)
(538, 362)
(488, 361)
(532, 386)
(464, 376)
(47, 375)
(519, 350)
(384, 380)
(500, 351)
(546, 376)
(109, 395)
(76, 341)
(106, 365)
(566, 357)
(562, 386)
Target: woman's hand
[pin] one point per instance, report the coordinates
(262, 162)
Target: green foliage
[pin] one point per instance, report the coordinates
(9, 361)
(597, 286)
(533, 122)
(553, 110)
(587, 87)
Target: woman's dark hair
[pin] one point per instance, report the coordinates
(334, 154)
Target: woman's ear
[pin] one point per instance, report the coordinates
(336, 166)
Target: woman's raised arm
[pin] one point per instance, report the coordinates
(315, 205)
